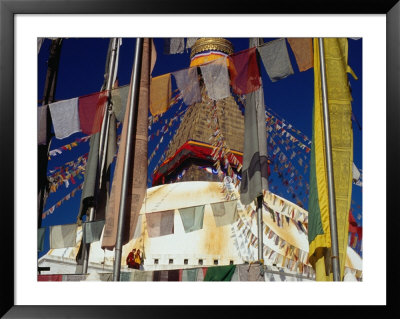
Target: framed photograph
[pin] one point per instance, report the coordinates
(26, 27)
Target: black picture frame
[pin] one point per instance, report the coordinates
(8, 10)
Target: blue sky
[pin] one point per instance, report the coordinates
(81, 72)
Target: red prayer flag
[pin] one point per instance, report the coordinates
(244, 71)
(91, 112)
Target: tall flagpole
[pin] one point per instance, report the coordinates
(329, 165)
(129, 154)
(103, 144)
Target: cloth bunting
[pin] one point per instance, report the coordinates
(188, 83)
(40, 234)
(92, 231)
(65, 117)
(119, 98)
(244, 71)
(42, 124)
(62, 236)
(220, 273)
(137, 275)
(166, 275)
(192, 218)
(160, 94)
(275, 58)
(255, 161)
(216, 79)
(303, 52)
(189, 274)
(225, 213)
(160, 223)
(174, 45)
(190, 42)
(91, 112)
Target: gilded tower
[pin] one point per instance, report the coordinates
(191, 147)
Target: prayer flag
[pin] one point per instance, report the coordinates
(255, 161)
(65, 117)
(190, 42)
(92, 231)
(174, 45)
(160, 223)
(119, 98)
(40, 234)
(138, 176)
(160, 94)
(220, 273)
(216, 79)
(91, 112)
(339, 101)
(303, 52)
(192, 218)
(244, 71)
(42, 124)
(62, 236)
(225, 213)
(276, 60)
(188, 83)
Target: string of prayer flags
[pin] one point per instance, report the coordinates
(174, 45)
(225, 213)
(160, 223)
(188, 83)
(160, 94)
(59, 203)
(303, 52)
(192, 218)
(216, 78)
(42, 124)
(68, 147)
(40, 235)
(91, 111)
(65, 117)
(62, 236)
(275, 58)
(92, 231)
(244, 71)
(357, 176)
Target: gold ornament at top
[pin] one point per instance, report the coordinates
(207, 44)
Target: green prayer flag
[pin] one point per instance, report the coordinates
(192, 218)
(220, 273)
(40, 233)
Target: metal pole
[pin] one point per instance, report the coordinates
(329, 165)
(129, 153)
(102, 147)
(260, 234)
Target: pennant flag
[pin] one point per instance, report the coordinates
(137, 179)
(188, 83)
(255, 161)
(40, 234)
(356, 176)
(244, 71)
(65, 117)
(220, 273)
(160, 94)
(339, 101)
(216, 79)
(160, 223)
(192, 218)
(276, 60)
(174, 45)
(225, 213)
(91, 112)
(303, 52)
(42, 124)
(62, 236)
(92, 231)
